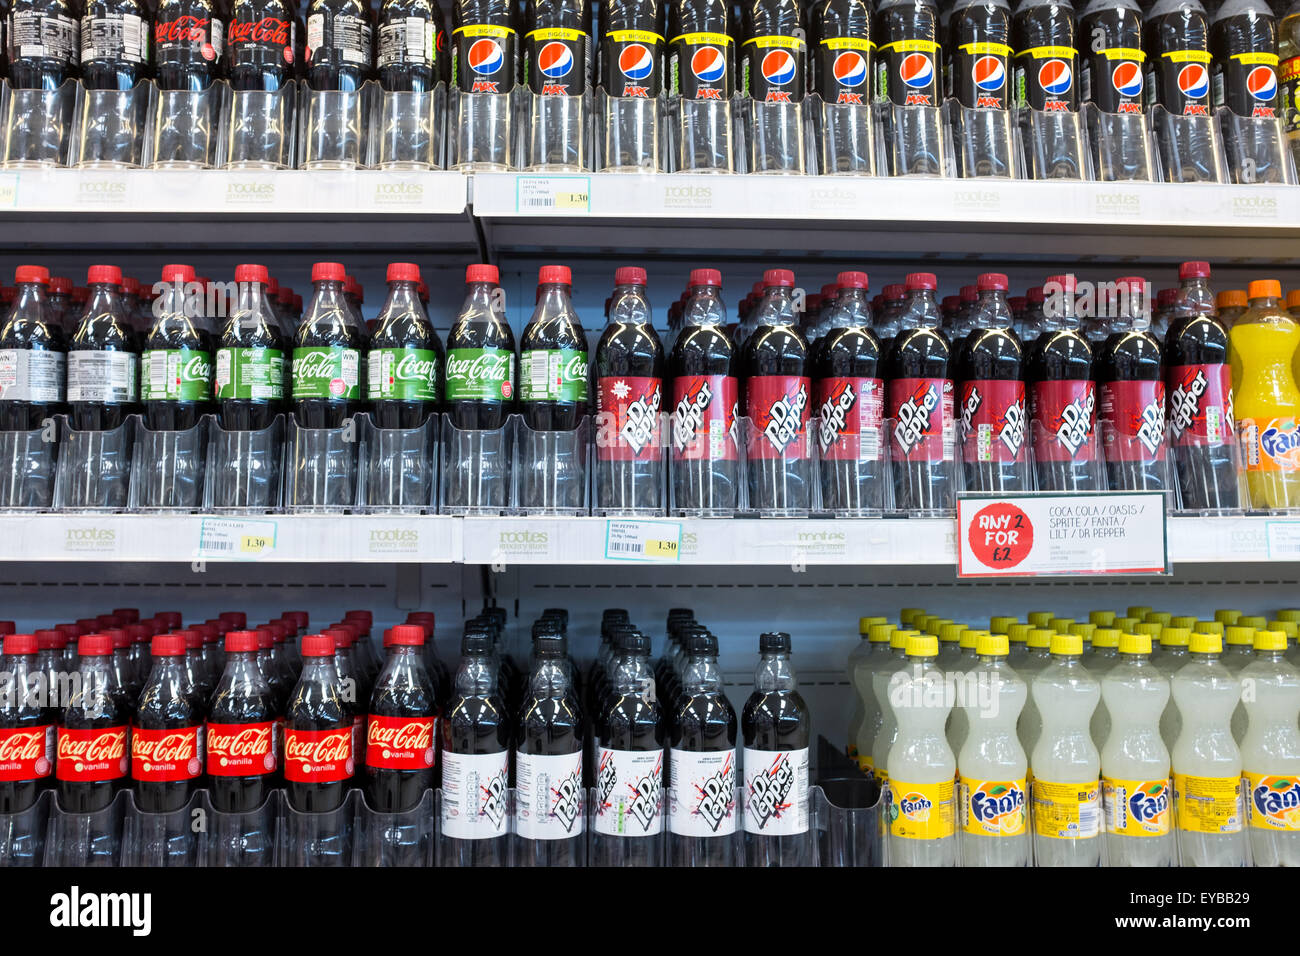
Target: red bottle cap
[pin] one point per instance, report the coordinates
(168, 645)
(969, 293)
(177, 273)
(551, 274)
(20, 644)
(169, 619)
(192, 638)
(87, 625)
(119, 638)
(1067, 282)
(297, 302)
(8, 627)
(130, 285)
(411, 635)
(109, 620)
(778, 278)
(1194, 270)
(95, 645)
(922, 280)
(234, 620)
(403, 272)
(285, 295)
(894, 291)
(252, 273)
(131, 615)
(60, 285)
(139, 633)
(366, 616)
(299, 618)
(32, 274)
(318, 645)
(1264, 289)
(1036, 294)
(272, 286)
(629, 275)
(990, 281)
(51, 639)
(1133, 284)
(420, 616)
(849, 280)
(342, 636)
(241, 642)
(328, 272)
(706, 277)
(264, 639)
(1017, 303)
(482, 272)
(1166, 298)
(70, 631)
(110, 275)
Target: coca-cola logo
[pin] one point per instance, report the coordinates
(575, 370)
(914, 417)
(717, 796)
(769, 791)
(184, 29)
(269, 30)
(198, 368)
(1075, 425)
(785, 419)
(178, 747)
(688, 419)
(313, 365)
(412, 369)
(834, 414)
(107, 746)
(642, 420)
(1185, 403)
(484, 367)
(24, 745)
(247, 743)
(414, 735)
(332, 748)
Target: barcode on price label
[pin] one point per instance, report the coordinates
(240, 540)
(643, 540)
(553, 193)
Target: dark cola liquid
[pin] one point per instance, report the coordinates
(189, 43)
(103, 406)
(703, 369)
(480, 378)
(775, 720)
(261, 44)
(1062, 404)
(404, 692)
(178, 333)
(477, 723)
(407, 59)
(242, 332)
(846, 380)
(1195, 357)
(23, 333)
(628, 475)
(340, 37)
(551, 725)
(630, 722)
(115, 40)
(239, 703)
(43, 40)
(20, 711)
(317, 708)
(163, 708)
(922, 469)
(327, 330)
(990, 378)
(409, 336)
(559, 331)
(1131, 411)
(94, 711)
(778, 399)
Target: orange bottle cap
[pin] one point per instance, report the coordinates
(1265, 289)
(1231, 298)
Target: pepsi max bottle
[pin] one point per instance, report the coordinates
(1131, 384)
(631, 51)
(840, 63)
(1243, 44)
(1111, 55)
(978, 39)
(484, 46)
(557, 47)
(406, 45)
(1046, 57)
(1177, 36)
(907, 60)
(774, 53)
(701, 50)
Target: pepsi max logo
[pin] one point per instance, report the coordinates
(1261, 83)
(779, 67)
(485, 56)
(1127, 78)
(850, 68)
(916, 70)
(1194, 81)
(554, 60)
(636, 61)
(1055, 77)
(709, 64)
(989, 73)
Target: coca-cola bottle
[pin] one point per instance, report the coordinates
(1198, 381)
(196, 670)
(404, 364)
(778, 393)
(103, 357)
(263, 45)
(93, 761)
(339, 37)
(849, 400)
(920, 403)
(189, 44)
(26, 726)
(1130, 378)
(114, 44)
(702, 771)
(409, 42)
(401, 730)
(553, 357)
(1062, 395)
(354, 690)
(326, 355)
(167, 736)
(140, 635)
(629, 376)
(242, 739)
(991, 385)
(705, 470)
(480, 355)
(32, 355)
(176, 366)
(476, 737)
(249, 377)
(43, 42)
(318, 756)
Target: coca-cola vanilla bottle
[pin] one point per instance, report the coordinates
(167, 739)
(26, 727)
(243, 740)
(318, 759)
(401, 728)
(92, 761)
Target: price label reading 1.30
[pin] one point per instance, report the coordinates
(643, 540)
(1038, 535)
(553, 193)
(237, 540)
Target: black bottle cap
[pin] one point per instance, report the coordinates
(614, 614)
(545, 626)
(633, 641)
(550, 648)
(476, 642)
(774, 642)
(704, 644)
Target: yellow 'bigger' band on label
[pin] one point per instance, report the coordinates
(994, 808)
(922, 811)
(1274, 801)
(1208, 804)
(1067, 811)
(1137, 808)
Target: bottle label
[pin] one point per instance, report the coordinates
(337, 39)
(772, 69)
(91, 756)
(980, 73)
(250, 373)
(1246, 83)
(993, 420)
(994, 808)
(701, 66)
(164, 756)
(924, 429)
(175, 375)
(843, 69)
(702, 793)
(1133, 420)
(1064, 415)
(555, 61)
(101, 377)
(35, 35)
(273, 35)
(627, 423)
(117, 36)
(26, 753)
(1271, 444)
(553, 375)
(318, 756)
(326, 372)
(633, 63)
(548, 795)
(867, 765)
(242, 750)
(778, 413)
(704, 418)
(480, 375)
(922, 811)
(776, 792)
(629, 792)
(852, 418)
(474, 794)
(1207, 804)
(1137, 808)
(407, 40)
(907, 71)
(31, 375)
(1274, 801)
(1067, 811)
(483, 58)
(1112, 78)
(1200, 405)
(1179, 80)
(400, 743)
(410, 375)
(1044, 78)
(1289, 74)
(189, 33)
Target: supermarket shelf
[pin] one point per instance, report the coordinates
(324, 539)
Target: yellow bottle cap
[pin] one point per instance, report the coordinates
(1150, 627)
(1040, 637)
(1205, 644)
(1264, 289)
(929, 625)
(1125, 624)
(1226, 616)
(1158, 617)
(1138, 611)
(1171, 636)
(1135, 643)
(951, 633)
(1270, 641)
(1039, 618)
(908, 615)
(922, 645)
(1001, 625)
(1237, 635)
(1289, 614)
(880, 633)
(1109, 637)
(898, 639)
(1286, 627)
(1258, 623)
(970, 639)
(1102, 618)
(1066, 644)
(865, 623)
(1188, 622)
(992, 645)
(1207, 627)
(1062, 624)
(1019, 633)
(1085, 630)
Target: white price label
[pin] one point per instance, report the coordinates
(553, 194)
(643, 540)
(238, 540)
(1283, 539)
(1037, 535)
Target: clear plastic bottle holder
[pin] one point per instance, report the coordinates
(411, 129)
(244, 468)
(483, 128)
(260, 129)
(400, 468)
(476, 468)
(113, 127)
(404, 839)
(28, 463)
(984, 142)
(1209, 473)
(38, 125)
(844, 135)
(847, 817)
(629, 484)
(550, 470)
(188, 125)
(167, 469)
(86, 839)
(321, 473)
(780, 470)
(325, 838)
(774, 133)
(706, 473)
(629, 133)
(245, 838)
(333, 133)
(1257, 148)
(1140, 461)
(1055, 145)
(995, 463)
(1120, 144)
(1190, 147)
(852, 470)
(702, 134)
(914, 140)
(1067, 458)
(557, 132)
(166, 839)
(94, 468)
(22, 834)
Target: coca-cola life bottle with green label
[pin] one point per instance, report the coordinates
(404, 364)
(480, 369)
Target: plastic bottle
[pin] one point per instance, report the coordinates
(702, 78)
(93, 758)
(1270, 753)
(1288, 51)
(965, 689)
(978, 41)
(176, 364)
(557, 57)
(32, 355)
(553, 357)
(401, 726)
(1132, 395)
(27, 735)
(327, 355)
(1038, 644)
(408, 58)
(404, 363)
(319, 757)
(908, 73)
(1176, 34)
(167, 735)
(860, 655)
(773, 74)
(249, 377)
(103, 357)
(480, 365)
(1243, 42)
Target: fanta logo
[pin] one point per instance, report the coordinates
(989, 73)
(1194, 81)
(554, 60)
(485, 56)
(850, 68)
(1127, 78)
(916, 807)
(636, 61)
(916, 70)
(999, 805)
(1261, 83)
(1277, 798)
(1055, 77)
(779, 67)
(1282, 445)
(709, 64)
(1149, 803)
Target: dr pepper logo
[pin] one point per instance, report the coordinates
(769, 791)
(716, 797)
(915, 416)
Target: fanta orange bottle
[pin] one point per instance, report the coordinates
(1264, 345)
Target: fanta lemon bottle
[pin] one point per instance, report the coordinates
(1105, 655)
(863, 678)
(1238, 652)
(968, 658)
(861, 651)
(1039, 656)
(1270, 754)
(1173, 656)
(888, 729)
(1264, 345)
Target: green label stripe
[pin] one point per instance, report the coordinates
(175, 375)
(403, 374)
(486, 375)
(250, 373)
(329, 371)
(556, 375)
